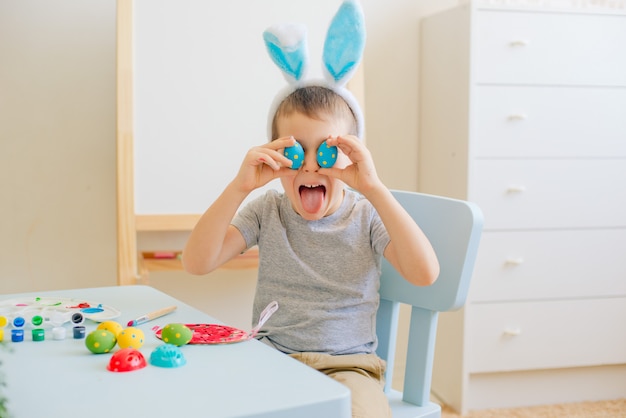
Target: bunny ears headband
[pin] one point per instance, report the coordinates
(343, 50)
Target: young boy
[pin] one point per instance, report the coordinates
(320, 243)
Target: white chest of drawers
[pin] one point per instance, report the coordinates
(523, 111)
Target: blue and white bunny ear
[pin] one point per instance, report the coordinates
(343, 51)
(287, 46)
(345, 42)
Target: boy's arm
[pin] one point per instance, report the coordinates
(214, 240)
(409, 250)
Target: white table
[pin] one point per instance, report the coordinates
(62, 378)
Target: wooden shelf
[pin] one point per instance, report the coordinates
(170, 261)
(166, 222)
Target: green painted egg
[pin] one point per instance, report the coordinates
(100, 341)
(176, 334)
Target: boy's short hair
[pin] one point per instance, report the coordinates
(314, 102)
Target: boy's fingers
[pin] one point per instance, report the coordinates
(284, 142)
(272, 158)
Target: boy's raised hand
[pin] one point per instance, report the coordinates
(361, 174)
(263, 164)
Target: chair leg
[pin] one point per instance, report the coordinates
(420, 355)
(387, 331)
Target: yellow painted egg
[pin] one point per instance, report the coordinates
(130, 337)
(176, 334)
(100, 341)
(114, 327)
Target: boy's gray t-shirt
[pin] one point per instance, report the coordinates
(324, 274)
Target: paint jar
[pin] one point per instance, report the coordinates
(79, 332)
(17, 335)
(58, 333)
(39, 334)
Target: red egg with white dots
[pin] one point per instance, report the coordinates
(127, 360)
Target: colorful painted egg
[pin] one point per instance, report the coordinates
(127, 360)
(167, 355)
(100, 341)
(295, 154)
(326, 155)
(114, 327)
(176, 334)
(130, 337)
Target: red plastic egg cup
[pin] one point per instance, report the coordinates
(127, 360)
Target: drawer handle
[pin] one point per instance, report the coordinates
(516, 188)
(519, 43)
(515, 261)
(518, 116)
(512, 332)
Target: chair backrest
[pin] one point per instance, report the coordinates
(453, 228)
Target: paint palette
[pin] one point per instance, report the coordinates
(51, 308)
(222, 334)
(212, 334)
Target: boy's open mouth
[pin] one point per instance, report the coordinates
(312, 197)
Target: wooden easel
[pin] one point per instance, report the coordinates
(132, 267)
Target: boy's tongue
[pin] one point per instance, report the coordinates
(312, 198)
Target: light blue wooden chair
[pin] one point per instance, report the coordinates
(454, 228)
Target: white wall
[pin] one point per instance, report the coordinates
(57, 144)
(391, 85)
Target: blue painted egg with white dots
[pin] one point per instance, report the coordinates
(326, 155)
(295, 154)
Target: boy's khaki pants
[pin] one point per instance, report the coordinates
(363, 374)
